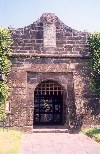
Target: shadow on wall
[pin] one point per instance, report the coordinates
(89, 114)
(90, 118)
(75, 121)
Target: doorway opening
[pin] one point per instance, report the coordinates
(48, 103)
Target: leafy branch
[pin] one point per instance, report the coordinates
(5, 65)
(94, 44)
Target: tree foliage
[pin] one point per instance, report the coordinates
(5, 65)
(94, 43)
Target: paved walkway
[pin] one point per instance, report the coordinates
(58, 143)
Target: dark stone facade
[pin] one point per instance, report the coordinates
(50, 50)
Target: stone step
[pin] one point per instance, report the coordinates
(58, 129)
(50, 130)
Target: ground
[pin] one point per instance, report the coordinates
(58, 143)
(10, 141)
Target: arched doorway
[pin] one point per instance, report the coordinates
(48, 103)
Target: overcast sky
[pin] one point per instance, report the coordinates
(78, 14)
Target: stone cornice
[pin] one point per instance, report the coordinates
(50, 55)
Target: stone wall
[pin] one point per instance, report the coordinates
(62, 56)
(30, 39)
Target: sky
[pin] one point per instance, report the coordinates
(78, 14)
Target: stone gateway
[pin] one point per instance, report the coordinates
(51, 76)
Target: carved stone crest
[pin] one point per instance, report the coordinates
(49, 18)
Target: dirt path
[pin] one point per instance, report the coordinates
(58, 143)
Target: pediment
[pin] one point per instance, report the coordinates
(49, 35)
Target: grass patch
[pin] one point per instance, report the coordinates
(93, 133)
(10, 141)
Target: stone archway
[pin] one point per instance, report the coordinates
(49, 103)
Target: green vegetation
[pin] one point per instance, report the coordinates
(5, 65)
(94, 44)
(93, 133)
(10, 141)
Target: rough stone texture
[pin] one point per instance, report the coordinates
(65, 60)
(68, 41)
(49, 29)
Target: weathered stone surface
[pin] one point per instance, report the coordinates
(49, 31)
(64, 58)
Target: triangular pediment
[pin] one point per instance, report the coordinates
(49, 35)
